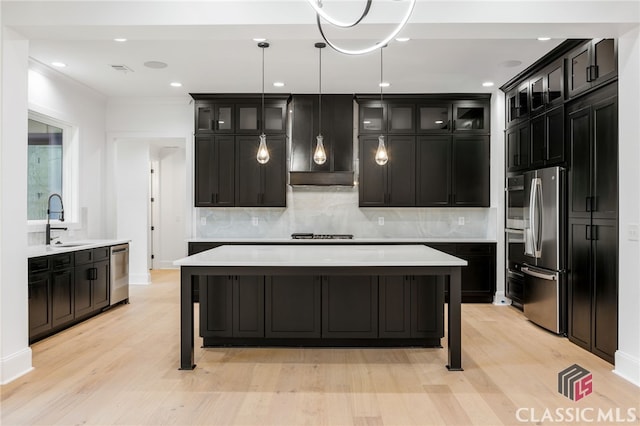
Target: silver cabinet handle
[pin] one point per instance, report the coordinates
(542, 275)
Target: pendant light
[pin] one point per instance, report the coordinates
(263, 152)
(320, 155)
(381, 152)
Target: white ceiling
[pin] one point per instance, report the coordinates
(208, 46)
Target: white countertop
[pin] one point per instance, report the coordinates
(357, 240)
(44, 250)
(321, 256)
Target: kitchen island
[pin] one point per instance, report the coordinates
(357, 295)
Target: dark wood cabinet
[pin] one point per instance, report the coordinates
(39, 305)
(227, 130)
(261, 185)
(62, 297)
(407, 308)
(593, 178)
(593, 286)
(216, 306)
(434, 171)
(471, 171)
(518, 147)
(517, 104)
(401, 117)
(91, 290)
(471, 117)
(66, 288)
(232, 306)
(337, 132)
(592, 64)
(293, 306)
(514, 288)
(434, 117)
(547, 138)
(350, 306)
(391, 184)
(214, 171)
(479, 276)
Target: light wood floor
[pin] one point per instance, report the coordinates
(121, 368)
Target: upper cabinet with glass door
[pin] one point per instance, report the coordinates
(240, 116)
(470, 117)
(547, 88)
(591, 64)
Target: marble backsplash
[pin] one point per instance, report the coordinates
(334, 210)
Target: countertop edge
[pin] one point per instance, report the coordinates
(52, 250)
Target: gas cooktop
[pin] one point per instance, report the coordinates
(310, 236)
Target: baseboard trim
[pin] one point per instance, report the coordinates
(500, 299)
(15, 365)
(627, 367)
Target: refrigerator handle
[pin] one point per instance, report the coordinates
(537, 274)
(539, 224)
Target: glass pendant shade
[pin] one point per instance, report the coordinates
(263, 152)
(319, 155)
(381, 153)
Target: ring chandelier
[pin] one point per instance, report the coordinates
(320, 13)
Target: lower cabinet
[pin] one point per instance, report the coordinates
(66, 288)
(350, 307)
(593, 286)
(293, 306)
(92, 281)
(232, 306)
(304, 309)
(407, 308)
(479, 276)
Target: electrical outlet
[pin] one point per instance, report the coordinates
(381, 221)
(203, 220)
(461, 221)
(254, 221)
(633, 232)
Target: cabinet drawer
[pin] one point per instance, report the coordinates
(101, 253)
(62, 261)
(39, 264)
(84, 256)
(474, 248)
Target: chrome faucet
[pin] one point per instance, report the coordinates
(48, 228)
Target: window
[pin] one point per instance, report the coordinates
(50, 164)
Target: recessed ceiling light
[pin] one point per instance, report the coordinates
(544, 38)
(120, 40)
(259, 39)
(278, 84)
(176, 84)
(487, 84)
(156, 65)
(402, 39)
(59, 64)
(384, 84)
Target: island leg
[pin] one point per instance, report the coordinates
(186, 320)
(454, 320)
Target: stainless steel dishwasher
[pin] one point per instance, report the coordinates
(119, 274)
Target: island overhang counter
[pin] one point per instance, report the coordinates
(327, 266)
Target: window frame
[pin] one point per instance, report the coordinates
(70, 161)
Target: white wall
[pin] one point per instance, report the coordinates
(15, 354)
(627, 359)
(170, 230)
(57, 96)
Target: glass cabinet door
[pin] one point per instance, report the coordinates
(434, 118)
(372, 118)
(604, 59)
(470, 117)
(204, 118)
(401, 118)
(537, 94)
(555, 84)
(578, 69)
(248, 118)
(275, 115)
(223, 121)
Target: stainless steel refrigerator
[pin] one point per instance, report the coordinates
(544, 268)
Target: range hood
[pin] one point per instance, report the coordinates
(337, 130)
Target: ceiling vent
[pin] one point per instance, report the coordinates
(122, 68)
